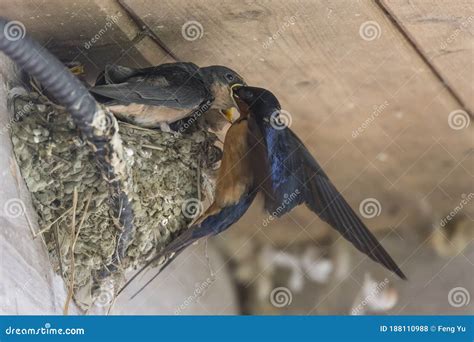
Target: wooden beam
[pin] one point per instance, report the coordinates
(443, 34)
(361, 98)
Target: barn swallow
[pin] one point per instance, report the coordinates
(259, 156)
(236, 188)
(293, 170)
(165, 94)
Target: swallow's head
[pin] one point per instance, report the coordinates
(220, 80)
(221, 75)
(258, 102)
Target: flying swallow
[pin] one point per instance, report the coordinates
(165, 94)
(293, 170)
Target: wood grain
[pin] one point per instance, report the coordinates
(92, 32)
(333, 82)
(444, 33)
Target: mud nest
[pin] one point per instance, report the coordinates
(168, 171)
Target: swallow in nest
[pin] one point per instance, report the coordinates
(170, 96)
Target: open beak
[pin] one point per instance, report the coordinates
(234, 87)
(232, 113)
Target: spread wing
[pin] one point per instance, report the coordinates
(297, 178)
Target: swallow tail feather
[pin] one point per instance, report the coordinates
(295, 171)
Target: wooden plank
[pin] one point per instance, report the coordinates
(93, 32)
(334, 81)
(443, 31)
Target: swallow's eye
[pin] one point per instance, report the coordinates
(229, 77)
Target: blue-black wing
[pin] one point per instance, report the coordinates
(297, 178)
